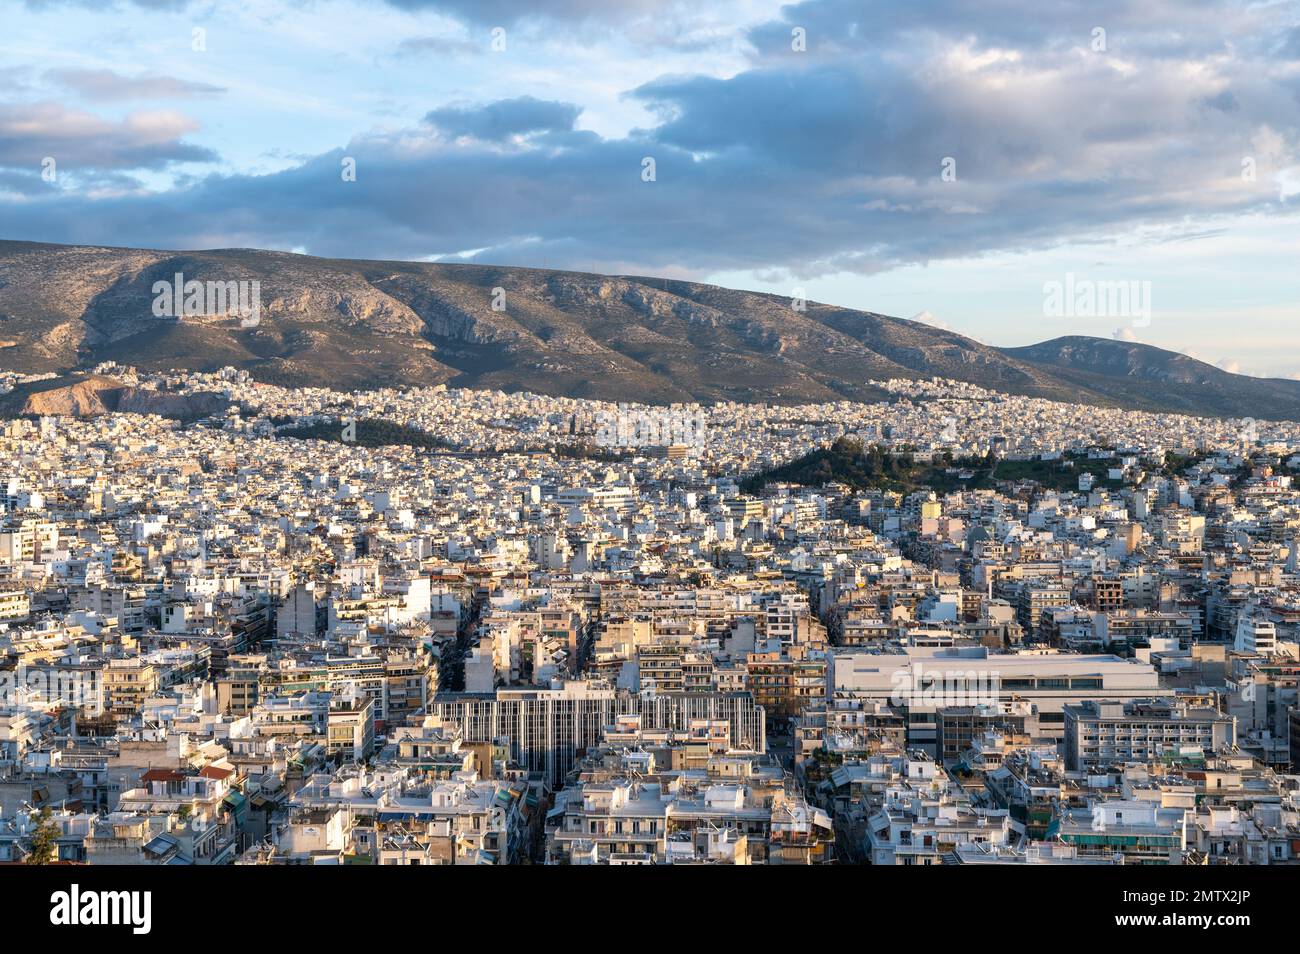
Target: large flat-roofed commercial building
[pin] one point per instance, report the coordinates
(549, 730)
(611, 497)
(921, 680)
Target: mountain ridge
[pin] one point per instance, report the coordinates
(360, 323)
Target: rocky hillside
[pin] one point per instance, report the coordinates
(361, 324)
(1134, 373)
(96, 394)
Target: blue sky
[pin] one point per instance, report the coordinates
(796, 147)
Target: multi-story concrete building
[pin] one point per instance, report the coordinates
(1104, 732)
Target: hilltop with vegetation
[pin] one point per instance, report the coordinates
(875, 467)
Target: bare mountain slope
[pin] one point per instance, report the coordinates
(359, 324)
(1139, 375)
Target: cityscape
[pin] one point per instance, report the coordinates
(1040, 634)
(558, 435)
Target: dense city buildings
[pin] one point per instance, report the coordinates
(432, 626)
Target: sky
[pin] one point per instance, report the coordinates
(947, 160)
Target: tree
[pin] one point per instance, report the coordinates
(44, 840)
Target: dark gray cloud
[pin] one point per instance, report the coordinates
(505, 118)
(804, 163)
(1289, 48)
(22, 183)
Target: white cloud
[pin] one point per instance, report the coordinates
(925, 318)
